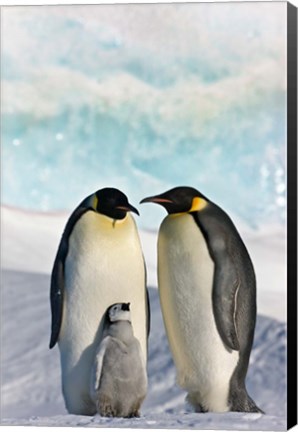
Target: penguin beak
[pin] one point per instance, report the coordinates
(156, 199)
(128, 208)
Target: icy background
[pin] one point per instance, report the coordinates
(143, 98)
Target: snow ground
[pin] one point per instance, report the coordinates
(30, 372)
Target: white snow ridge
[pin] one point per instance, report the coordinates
(30, 372)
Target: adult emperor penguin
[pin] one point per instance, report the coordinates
(99, 262)
(207, 291)
(118, 378)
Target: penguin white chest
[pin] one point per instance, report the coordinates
(185, 277)
(104, 265)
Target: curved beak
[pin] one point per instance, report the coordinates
(128, 208)
(156, 199)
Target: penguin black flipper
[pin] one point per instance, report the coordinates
(225, 287)
(148, 322)
(56, 296)
(57, 278)
(229, 255)
(148, 314)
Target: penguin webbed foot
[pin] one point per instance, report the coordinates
(191, 399)
(200, 409)
(135, 409)
(104, 407)
(133, 414)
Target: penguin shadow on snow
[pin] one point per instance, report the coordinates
(88, 353)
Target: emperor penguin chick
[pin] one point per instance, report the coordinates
(118, 378)
(207, 291)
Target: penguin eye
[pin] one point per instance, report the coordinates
(116, 308)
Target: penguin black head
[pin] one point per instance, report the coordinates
(119, 312)
(112, 202)
(181, 199)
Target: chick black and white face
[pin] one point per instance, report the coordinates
(119, 312)
(113, 203)
(181, 199)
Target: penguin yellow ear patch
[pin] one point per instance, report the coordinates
(95, 202)
(198, 204)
